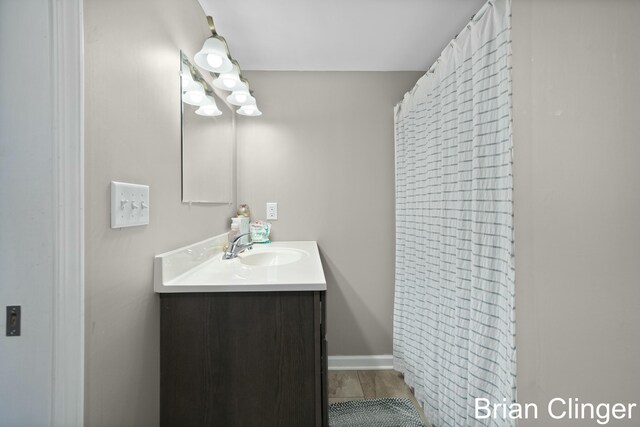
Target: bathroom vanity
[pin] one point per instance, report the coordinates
(243, 340)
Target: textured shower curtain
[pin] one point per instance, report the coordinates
(454, 299)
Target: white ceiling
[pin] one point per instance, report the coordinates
(344, 35)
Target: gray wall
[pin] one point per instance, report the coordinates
(133, 135)
(576, 73)
(324, 151)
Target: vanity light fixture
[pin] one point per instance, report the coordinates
(214, 55)
(250, 109)
(240, 97)
(230, 81)
(208, 107)
(193, 93)
(209, 110)
(196, 91)
(216, 58)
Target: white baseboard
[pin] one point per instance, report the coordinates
(360, 363)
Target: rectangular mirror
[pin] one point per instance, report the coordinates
(208, 139)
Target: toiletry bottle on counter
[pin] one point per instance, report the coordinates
(235, 229)
(244, 220)
(243, 210)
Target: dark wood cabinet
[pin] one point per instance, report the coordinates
(254, 359)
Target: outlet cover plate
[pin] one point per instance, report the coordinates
(129, 204)
(272, 210)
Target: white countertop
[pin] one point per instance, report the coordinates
(200, 268)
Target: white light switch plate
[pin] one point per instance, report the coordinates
(129, 204)
(272, 210)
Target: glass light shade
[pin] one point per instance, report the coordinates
(190, 84)
(240, 98)
(230, 81)
(213, 56)
(209, 110)
(193, 94)
(249, 110)
(208, 107)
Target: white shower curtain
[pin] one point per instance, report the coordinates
(454, 299)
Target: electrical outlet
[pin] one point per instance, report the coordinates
(272, 210)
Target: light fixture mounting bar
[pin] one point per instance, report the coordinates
(212, 26)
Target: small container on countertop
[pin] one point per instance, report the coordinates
(260, 231)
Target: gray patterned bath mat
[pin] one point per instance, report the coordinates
(387, 412)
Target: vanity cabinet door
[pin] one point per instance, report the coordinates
(243, 359)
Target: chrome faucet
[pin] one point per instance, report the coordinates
(236, 247)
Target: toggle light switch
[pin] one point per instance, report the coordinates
(129, 204)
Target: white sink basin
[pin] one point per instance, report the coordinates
(276, 266)
(271, 258)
